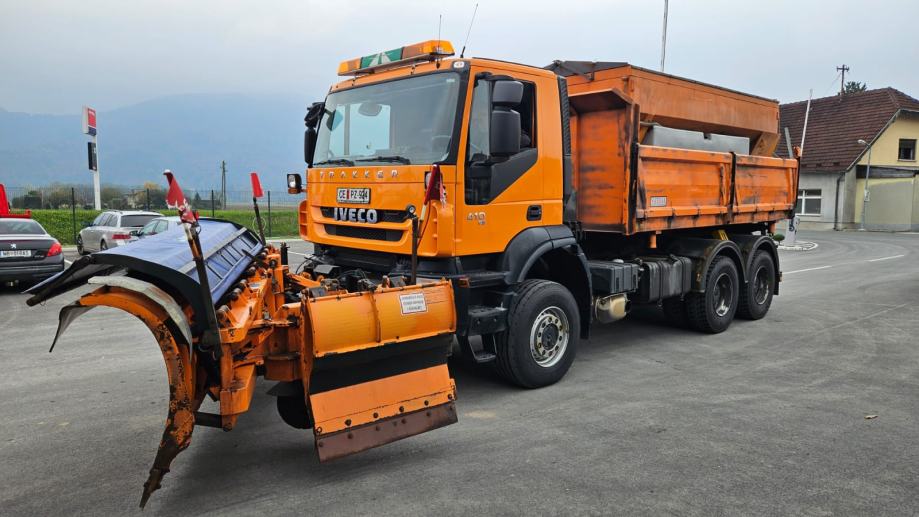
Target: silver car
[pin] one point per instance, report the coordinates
(112, 228)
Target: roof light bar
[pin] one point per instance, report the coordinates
(424, 51)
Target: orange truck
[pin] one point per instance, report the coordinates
(501, 207)
(563, 195)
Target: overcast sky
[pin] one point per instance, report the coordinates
(57, 55)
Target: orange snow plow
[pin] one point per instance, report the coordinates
(361, 361)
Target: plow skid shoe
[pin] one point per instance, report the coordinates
(380, 369)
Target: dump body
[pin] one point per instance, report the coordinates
(625, 185)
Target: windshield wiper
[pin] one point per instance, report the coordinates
(392, 159)
(337, 161)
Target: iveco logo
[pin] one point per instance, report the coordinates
(13, 245)
(356, 215)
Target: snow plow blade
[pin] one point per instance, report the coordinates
(361, 363)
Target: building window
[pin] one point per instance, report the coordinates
(907, 150)
(808, 202)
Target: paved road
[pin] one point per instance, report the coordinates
(767, 418)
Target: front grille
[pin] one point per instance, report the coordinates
(359, 232)
(383, 216)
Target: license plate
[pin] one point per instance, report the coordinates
(354, 195)
(15, 253)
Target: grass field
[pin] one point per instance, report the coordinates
(60, 223)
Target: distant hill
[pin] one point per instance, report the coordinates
(189, 134)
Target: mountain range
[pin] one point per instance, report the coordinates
(189, 134)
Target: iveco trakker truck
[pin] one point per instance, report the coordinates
(552, 198)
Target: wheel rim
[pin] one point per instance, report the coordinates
(549, 337)
(723, 294)
(761, 286)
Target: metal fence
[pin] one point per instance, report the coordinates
(64, 209)
(138, 198)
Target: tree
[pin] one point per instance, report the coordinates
(855, 87)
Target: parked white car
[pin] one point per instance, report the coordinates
(112, 228)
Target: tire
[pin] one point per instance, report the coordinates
(757, 294)
(294, 412)
(713, 310)
(103, 246)
(80, 249)
(675, 312)
(541, 313)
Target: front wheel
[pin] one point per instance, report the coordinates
(80, 249)
(542, 335)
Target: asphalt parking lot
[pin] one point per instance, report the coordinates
(766, 418)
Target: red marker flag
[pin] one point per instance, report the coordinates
(256, 185)
(175, 198)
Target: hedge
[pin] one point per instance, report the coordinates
(59, 223)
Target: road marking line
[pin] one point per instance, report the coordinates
(296, 253)
(67, 262)
(803, 270)
(886, 258)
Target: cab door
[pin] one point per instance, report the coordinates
(501, 190)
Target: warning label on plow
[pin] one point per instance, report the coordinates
(412, 303)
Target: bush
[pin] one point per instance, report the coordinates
(778, 237)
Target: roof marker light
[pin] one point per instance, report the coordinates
(425, 51)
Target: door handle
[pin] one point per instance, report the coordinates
(534, 212)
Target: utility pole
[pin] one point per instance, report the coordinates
(223, 184)
(842, 78)
(664, 36)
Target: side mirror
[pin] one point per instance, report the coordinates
(505, 132)
(312, 119)
(309, 145)
(294, 183)
(507, 94)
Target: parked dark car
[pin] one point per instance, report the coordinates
(27, 252)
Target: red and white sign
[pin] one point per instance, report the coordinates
(89, 121)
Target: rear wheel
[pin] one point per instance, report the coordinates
(103, 246)
(542, 335)
(757, 295)
(713, 310)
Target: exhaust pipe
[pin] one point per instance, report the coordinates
(608, 309)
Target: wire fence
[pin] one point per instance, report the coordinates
(65, 209)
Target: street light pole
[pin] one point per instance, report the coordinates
(664, 36)
(865, 189)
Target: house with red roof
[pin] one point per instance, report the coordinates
(859, 163)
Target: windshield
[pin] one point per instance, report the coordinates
(21, 227)
(403, 121)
